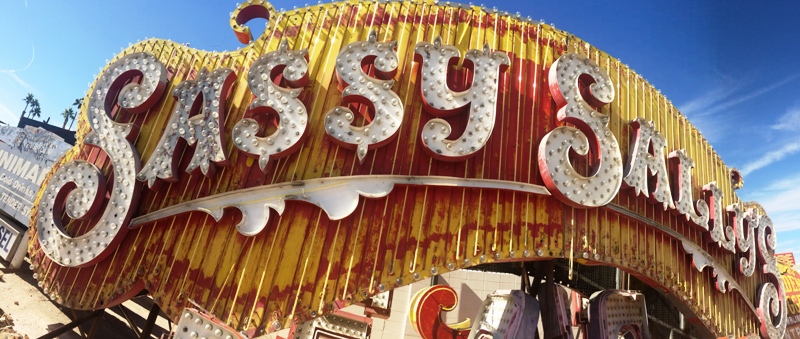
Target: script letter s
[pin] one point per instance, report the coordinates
(375, 92)
(78, 187)
(574, 79)
(292, 119)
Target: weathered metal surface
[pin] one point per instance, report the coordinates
(506, 314)
(298, 261)
(614, 312)
(340, 324)
(194, 323)
(792, 280)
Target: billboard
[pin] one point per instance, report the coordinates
(10, 238)
(786, 259)
(791, 279)
(26, 155)
(356, 147)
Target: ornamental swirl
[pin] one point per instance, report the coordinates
(82, 185)
(771, 296)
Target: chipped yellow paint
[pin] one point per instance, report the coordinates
(303, 265)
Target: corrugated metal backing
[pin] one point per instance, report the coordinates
(304, 264)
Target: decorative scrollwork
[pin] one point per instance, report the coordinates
(425, 317)
(338, 197)
(701, 259)
(79, 186)
(249, 10)
(614, 311)
(511, 314)
(771, 296)
(195, 323)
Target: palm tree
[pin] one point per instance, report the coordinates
(68, 113)
(36, 110)
(78, 103)
(28, 100)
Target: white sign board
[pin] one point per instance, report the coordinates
(26, 155)
(9, 240)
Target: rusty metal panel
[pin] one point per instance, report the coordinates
(335, 227)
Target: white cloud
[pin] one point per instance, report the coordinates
(766, 192)
(702, 110)
(751, 95)
(21, 82)
(780, 199)
(33, 56)
(7, 115)
(714, 129)
(700, 104)
(785, 221)
(770, 157)
(13, 72)
(787, 242)
(783, 201)
(790, 121)
(784, 184)
(723, 98)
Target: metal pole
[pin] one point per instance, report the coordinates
(151, 321)
(128, 319)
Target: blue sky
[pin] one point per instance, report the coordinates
(733, 70)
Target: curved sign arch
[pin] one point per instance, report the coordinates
(360, 146)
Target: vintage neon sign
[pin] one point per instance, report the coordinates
(440, 100)
(578, 85)
(375, 91)
(292, 117)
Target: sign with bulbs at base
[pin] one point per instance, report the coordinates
(357, 147)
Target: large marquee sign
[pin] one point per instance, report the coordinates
(356, 147)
